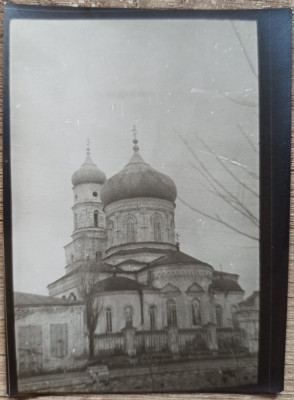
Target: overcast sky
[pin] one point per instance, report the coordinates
(190, 80)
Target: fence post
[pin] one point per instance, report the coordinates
(130, 347)
(173, 339)
(210, 336)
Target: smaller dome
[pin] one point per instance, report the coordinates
(225, 285)
(88, 173)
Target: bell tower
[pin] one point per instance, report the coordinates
(89, 231)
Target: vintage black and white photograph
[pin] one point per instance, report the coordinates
(135, 204)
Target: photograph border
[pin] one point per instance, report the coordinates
(274, 48)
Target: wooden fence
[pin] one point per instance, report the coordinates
(109, 344)
(151, 341)
(191, 339)
(228, 338)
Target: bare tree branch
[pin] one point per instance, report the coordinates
(229, 193)
(238, 164)
(247, 139)
(244, 49)
(242, 102)
(227, 199)
(217, 219)
(226, 168)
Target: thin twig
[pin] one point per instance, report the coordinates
(244, 49)
(247, 138)
(228, 200)
(226, 168)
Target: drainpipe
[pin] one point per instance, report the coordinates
(141, 305)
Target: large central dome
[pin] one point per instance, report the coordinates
(138, 179)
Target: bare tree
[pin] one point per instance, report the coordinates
(93, 304)
(214, 185)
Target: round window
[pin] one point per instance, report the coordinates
(95, 194)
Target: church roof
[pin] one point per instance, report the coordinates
(98, 266)
(131, 261)
(88, 173)
(138, 179)
(177, 257)
(222, 274)
(225, 285)
(251, 300)
(30, 299)
(116, 283)
(134, 251)
(90, 266)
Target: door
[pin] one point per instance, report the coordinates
(30, 349)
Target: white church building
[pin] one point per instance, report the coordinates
(153, 297)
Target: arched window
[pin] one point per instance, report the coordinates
(219, 315)
(152, 315)
(110, 228)
(234, 317)
(196, 315)
(128, 313)
(63, 297)
(156, 226)
(95, 219)
(72, 258)
(108, 320)
(131, 233)
(171, 312)
(75, 221)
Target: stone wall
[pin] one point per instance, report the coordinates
(49, 338)
(227, 302)
(248, 321)
(89, 245)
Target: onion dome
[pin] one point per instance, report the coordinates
(88, 172)
(138, 179)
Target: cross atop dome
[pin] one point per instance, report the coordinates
(135, 140)
(88, 147)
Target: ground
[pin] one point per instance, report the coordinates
(201, 375)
